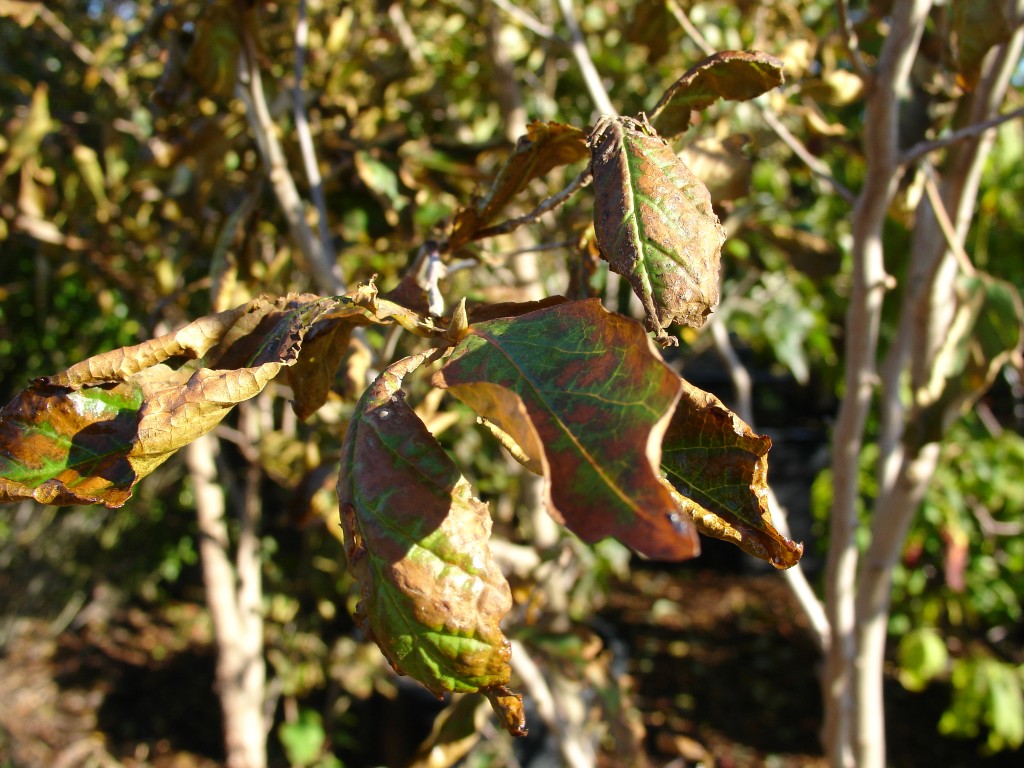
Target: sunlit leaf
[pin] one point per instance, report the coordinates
(23, 13)
(29, 133)
(417, 543)
(654, 224)
(731, 75)
(583, 394)
(977, 26)
(544, 147)
(720, 468)
(89, 434)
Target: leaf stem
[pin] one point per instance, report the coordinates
(579, 182)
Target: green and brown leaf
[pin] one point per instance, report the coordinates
(719, 467)
(654, 224)
(582, 396)
(417, 542)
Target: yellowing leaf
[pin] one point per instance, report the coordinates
(89, 434)
(417, 544)
(585, 396)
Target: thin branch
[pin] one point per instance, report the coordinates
(851, 42)
(581, 180)
(326, 275)
(406, 35)
(522, 17)
(817, 166)
(309, 161)
(944, 222)
(579, 51)
(84, 55)
(690, 28)
(969, 132)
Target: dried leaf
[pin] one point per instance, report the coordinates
(416, 542)
(719, 466)
(654, 224)
(23, 13)
(88, 435)
(586, 396)
(731, 75)
(544, 147)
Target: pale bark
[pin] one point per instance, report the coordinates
(906, 467)
(233, 595)
(862, 324)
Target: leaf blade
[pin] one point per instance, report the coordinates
(432, 596)
(586, 396)
(719, 466)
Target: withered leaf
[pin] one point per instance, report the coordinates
(655, 224)
(544, 147)
(88, 435)
(417, 543)
(731, 75)
(719, 467)
(585, 397)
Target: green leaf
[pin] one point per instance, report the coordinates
(720, 468)
(88, 435)
(654, 224)
(583, 394)
(731, 75)
(923, 657)
(416, 541)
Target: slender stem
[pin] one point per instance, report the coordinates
(968, 132)
(522, 17)
(850, 40)
(581, 180)
(862, 324)
(579, 50)
(690, 28)
(305, 136)
(325, 273)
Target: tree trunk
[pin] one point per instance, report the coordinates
(233, 595)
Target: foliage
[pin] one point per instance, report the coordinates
(135, 196)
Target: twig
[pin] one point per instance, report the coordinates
(579, 51)
(534, 25)
(817, 166)
(309, 161)
(691, 30)
(968, 132)
(851, 42)
(944, 222)
(84, 55)
(325, 273)
(581, 180)
(406, 35)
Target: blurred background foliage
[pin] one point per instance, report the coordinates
(131, 187)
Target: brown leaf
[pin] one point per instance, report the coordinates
(655, 224)
(732, 75)
(544, 147)
(89, 434)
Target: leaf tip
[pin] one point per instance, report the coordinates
(508, 706)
